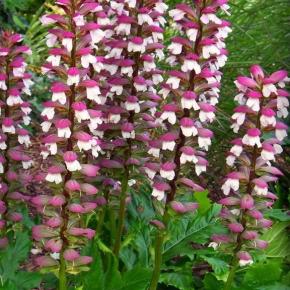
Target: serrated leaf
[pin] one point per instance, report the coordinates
(204, 203)
(263, 273)
(196, 229)
(278, 239)
(219, 266)
(180, 280)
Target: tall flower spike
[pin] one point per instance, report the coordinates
(68, 143)
(129, 100)
(250, 158)
(14, 138)
(190, 93)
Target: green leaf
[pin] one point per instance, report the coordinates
(204, 203)
(219, 266)
(263, 273)
(94, 279)
(210, 282)
(13, 255)
(137, 278)
(276, 286)
(278, 239)
(184, 231)
(180, 280)
(27, 280)
(278, 214)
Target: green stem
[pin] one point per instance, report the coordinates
(62, 279)
(231, 276)
(122, 211)
(158, 252)
(157, 261)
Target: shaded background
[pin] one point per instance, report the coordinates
(260, 35)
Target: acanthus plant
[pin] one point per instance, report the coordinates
(68, 146)
(15, 83)
(132, 45)
(261, 102)
(190, 94)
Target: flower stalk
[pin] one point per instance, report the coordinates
(191, 92)
(260, 100)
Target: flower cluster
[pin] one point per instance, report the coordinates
(190, 93)
(68, 144)
(15, 82)
(132, 45)
(261, 101)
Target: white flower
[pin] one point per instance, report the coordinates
(267, 155)
(190, 65)
(192, 34)
(73, 166)
(27, 164)
(56, 178)
(133, 47)
(204, 142)
(175, 48)
(168, 145)
(154, 152)
(50, 39)
(3, 85)
(67, 43)
(87, 59)
(84, 145)
(174, 82)
(159, 194)
(253, 103)
(8, 129)
(243, 263)
(52, 148)
(82, 115)
(213, 245)
(189, 104)
(14, 100)
(189, 131)
(209, 50)
(3, 145)
(123, 28)
(170, 116)
(176, 14)
(54, 60)
(48, 112)
(93, 94)
(128, 135)
(73, 79)
(117, 89)
(236, 150)
(59, 97)
(251, 141)
(230, 160)
(97, 35)
(260, 190)
(268, 89)
(144, 18)
(229, 184)
(25, 139)
(45, 126)
(199, 169)
(167, 174)
(239, 118)
(187, 158)
(64, 132)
